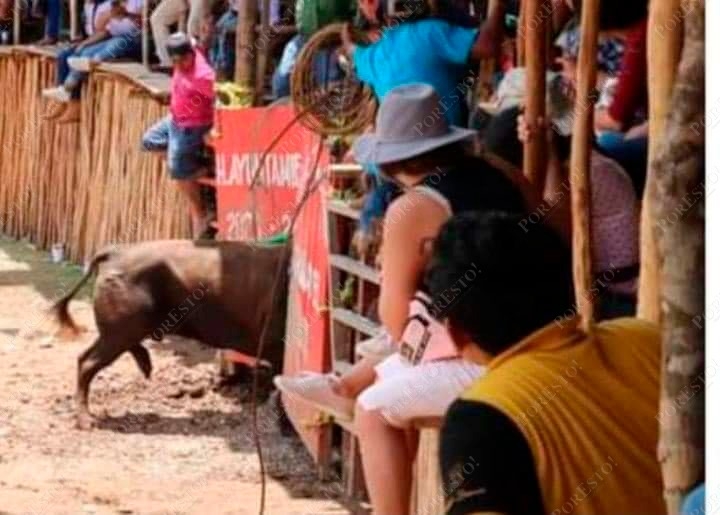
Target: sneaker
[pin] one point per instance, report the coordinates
(81, 64)
(379, 347)
(58, 94)
(317, 389)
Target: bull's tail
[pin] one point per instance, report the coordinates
(60, 308)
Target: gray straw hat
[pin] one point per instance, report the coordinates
(409, 123)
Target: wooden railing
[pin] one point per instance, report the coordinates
(84, 184)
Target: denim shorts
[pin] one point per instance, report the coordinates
(186, 152)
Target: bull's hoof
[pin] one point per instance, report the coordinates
(85, 422)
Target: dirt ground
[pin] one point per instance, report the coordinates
(175, 444)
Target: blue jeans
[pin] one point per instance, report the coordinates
(52, 23)
(185, 147)
(694, 503)
(222, 52)
(113, 48)
(325, 66)
(630, 153)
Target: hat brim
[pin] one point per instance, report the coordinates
(370, 149)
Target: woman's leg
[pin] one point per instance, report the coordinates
(387, 463)
(63, 69)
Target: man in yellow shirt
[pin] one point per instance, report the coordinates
(563, 422)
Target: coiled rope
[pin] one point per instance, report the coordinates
(334, 108)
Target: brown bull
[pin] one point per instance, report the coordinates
(219, 293)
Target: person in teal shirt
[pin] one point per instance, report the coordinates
(431, 50)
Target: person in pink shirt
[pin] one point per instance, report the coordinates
(182, 132)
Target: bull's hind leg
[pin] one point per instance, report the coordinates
(98, 356)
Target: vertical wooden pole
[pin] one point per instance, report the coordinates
(678, 213)
(580, 162)
(246, 51)
(665, 33)
(17, 14)
(521, 31)
(262, 49)
(145, 33)
(535, 150)
(74, 21)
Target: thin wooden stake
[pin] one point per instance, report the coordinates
(17, 14)
(535, 150)
(74, 22)
(145, 34)
(580, 163)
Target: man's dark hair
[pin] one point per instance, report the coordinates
(500, 138)
(619, 14)
(497, 281)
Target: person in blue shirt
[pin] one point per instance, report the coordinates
(431, 50)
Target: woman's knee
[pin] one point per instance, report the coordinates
(368, 422)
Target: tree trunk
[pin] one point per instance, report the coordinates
(664, 45)
(679, 214)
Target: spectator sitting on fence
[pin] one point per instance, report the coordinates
(561, 422)
(117, 36)
(182, 132)
(614, 209)
(438, 179)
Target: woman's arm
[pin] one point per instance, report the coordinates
(409, 222)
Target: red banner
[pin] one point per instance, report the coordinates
(289, 167)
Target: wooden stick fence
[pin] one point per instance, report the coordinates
(85, 184)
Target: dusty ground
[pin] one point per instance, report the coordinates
(171, 445)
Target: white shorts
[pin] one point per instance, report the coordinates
(403, 393)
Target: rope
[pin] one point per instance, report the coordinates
(311, 185)
(336, 108)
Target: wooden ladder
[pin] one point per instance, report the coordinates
(348, 321)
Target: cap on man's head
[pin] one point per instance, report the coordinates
(179, 44)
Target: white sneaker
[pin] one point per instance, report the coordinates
(316, 389)
(59, 94)
(379, 347)
(81, 64)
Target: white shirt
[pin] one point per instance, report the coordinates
(92, 12)
(126, 26)
(122, 27)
